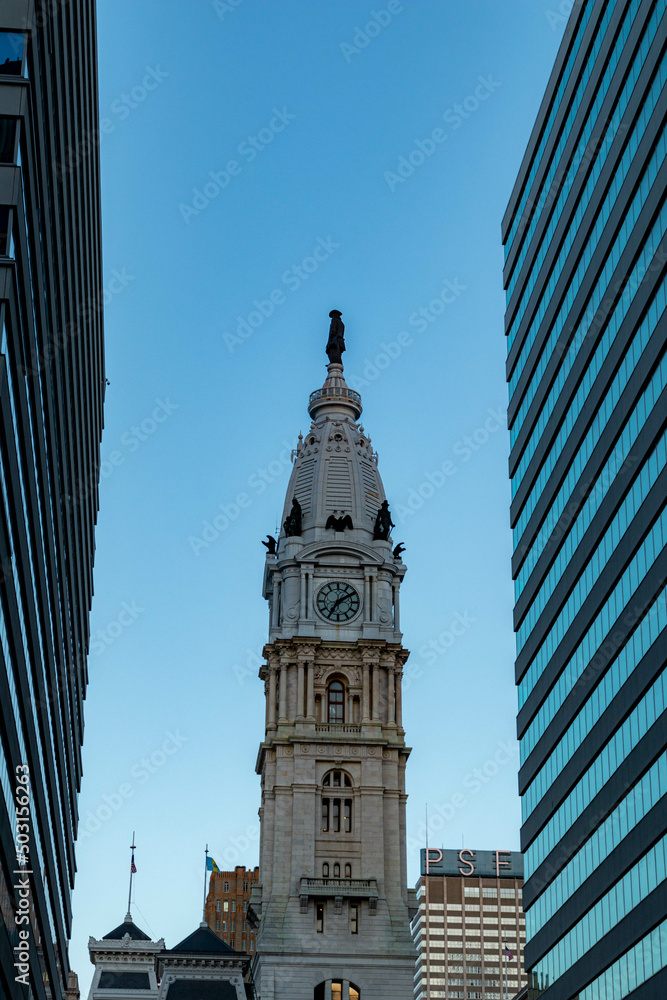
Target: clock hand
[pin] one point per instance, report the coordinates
(339, 601)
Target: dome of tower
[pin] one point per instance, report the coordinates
(335, 472)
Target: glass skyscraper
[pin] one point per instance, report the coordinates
(51, 393)
(585, 239)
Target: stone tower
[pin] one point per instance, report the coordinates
(333, 903)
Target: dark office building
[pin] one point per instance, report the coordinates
(51, 394)
(586, 254)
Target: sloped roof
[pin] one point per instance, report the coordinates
(127, 927)
(205, 940)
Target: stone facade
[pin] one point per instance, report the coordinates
(332, 906)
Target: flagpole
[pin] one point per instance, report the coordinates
(129, 895)
(203, 916)
(505, 957)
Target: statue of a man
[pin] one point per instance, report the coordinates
(336, 341)
(383, 523)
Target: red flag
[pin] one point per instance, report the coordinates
(508, 953)
(133, 867)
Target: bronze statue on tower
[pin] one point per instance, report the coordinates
(336, 341)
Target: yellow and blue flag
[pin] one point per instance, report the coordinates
(211, 866)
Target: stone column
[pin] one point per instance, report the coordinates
(272, 696)
(302, 597)
(275, 603)
(391, 711)
(397, 613)
(282, 707)
(310, 692)
(299, 690)
(365, 699)
(375, 700)
(367, 598)
(399, 700)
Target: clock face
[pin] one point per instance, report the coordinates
(339, 602)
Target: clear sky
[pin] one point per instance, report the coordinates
(263, 163)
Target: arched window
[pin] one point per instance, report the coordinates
(336, 870)
(325, 870)
(337, 990)
(348, 871)
(337, 779)
(225, 887)
(336, 701)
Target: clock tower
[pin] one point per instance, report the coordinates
(333, 904)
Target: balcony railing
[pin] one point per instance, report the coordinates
(336, 727)
(358, 888)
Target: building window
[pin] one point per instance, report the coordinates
(319, 917)
(336, 870)
(336, 813)
(233, 906)
(245, 886)
(337, 817)
(224, 926)
(225, 905)
(325, 870)
(225, 887)
(337, 990)
(217, 907)
(336, 779)
(348, 871)
(217, 926)
(336, 700)
(354, 918)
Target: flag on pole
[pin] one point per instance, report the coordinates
(211, 866)
(133, 867)
(508, 953)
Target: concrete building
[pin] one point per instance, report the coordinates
(332, 903)
(585, 239)
(227, 907)
(469, 909)
(51, 394)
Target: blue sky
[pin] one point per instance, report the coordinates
(263, 163)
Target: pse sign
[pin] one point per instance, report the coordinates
(487, 864)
